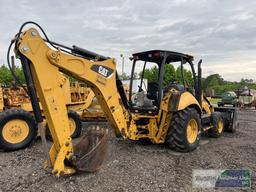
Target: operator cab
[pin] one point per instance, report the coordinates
(148, 98)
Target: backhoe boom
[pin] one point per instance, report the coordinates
(45, 65)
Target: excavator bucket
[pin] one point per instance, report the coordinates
(91, 150)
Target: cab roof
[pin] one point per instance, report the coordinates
(157, 56)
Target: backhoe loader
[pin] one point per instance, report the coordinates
(173, 114)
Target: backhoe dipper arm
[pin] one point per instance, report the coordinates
(45, 64)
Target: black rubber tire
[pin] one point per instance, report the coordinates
(21, 114)
(176, 137)
(215, 118)
(78, 130)
(76, 118)
(231, 127)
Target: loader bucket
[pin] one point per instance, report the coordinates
(229, 115)
(90, 151)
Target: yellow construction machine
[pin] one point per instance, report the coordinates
(174, 114)
(17, 124)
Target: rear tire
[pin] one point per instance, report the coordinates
(179, 137)
(73, 116)
(218, 125)
(17, 129)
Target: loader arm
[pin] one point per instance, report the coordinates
(88, 100)
(45, 64)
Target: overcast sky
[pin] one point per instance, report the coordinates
(221, 32)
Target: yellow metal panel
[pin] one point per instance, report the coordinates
(26, 107)
(187, 99)
(66, 88)
(206, 107)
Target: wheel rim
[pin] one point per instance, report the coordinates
(72, 125)
(15, 131)
(192, 131)
(220, 126)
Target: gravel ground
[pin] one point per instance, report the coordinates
(133, 166)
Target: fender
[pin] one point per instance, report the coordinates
(181, 100)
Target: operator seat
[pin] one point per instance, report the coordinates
(148, 102)
(174, 85)
(153, 92)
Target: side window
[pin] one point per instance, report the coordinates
(173, 73)
(151, 72)
(150, 75)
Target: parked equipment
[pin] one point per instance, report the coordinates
(171, 114)
(247, 98)
(228, 98)
(17, 124)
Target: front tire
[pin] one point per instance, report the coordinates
(75, 126)
(218, 125)
(17, 129)
(231, 125)
(184, 130)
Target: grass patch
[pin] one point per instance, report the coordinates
(214, 100)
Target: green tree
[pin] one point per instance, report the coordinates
(245, 81)
(150, 74)
(20, 75)
(124, 76)
(219, 85)
(6, 78)
(212, 80)
(187, 76)
(170, 75)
